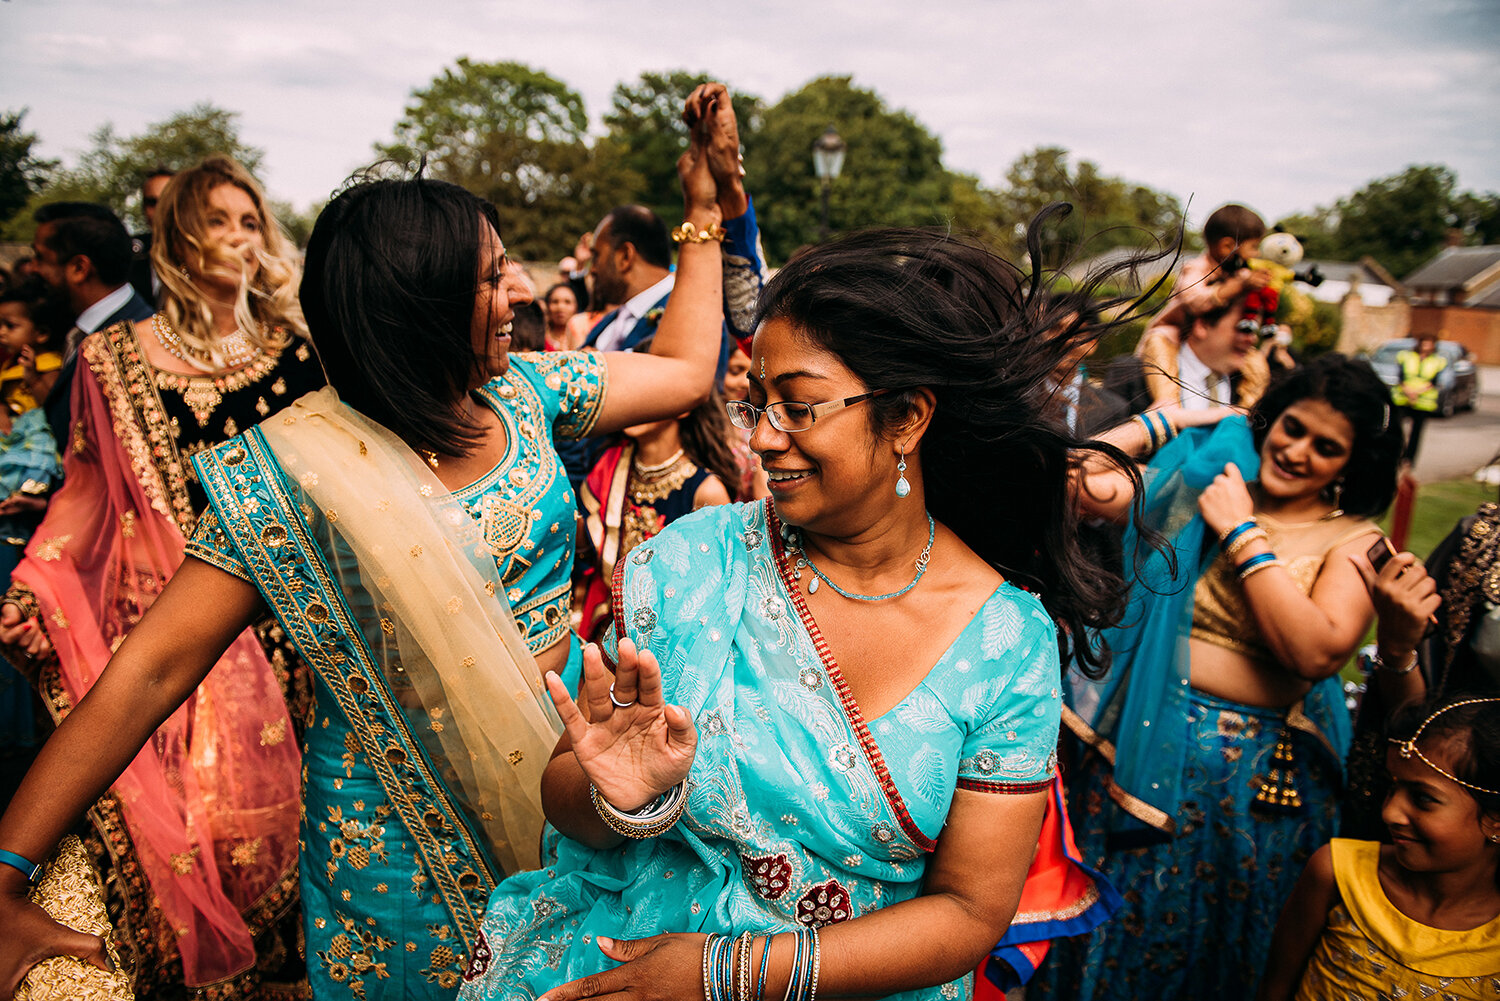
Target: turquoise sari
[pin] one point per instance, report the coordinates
(800, 811)
(396, 862)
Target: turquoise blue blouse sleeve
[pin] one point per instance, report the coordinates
(1017, 705)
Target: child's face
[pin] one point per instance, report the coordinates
(737, 376)
(16, 329)
(1434, 822)
(1249, 249)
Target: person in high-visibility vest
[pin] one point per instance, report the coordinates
(1417, 392)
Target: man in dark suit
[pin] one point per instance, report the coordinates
(83, 254)
(142, 278)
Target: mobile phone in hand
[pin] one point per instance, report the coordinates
(1380, 553)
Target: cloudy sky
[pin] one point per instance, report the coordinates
(1282, 104)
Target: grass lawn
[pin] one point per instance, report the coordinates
(1439, 507)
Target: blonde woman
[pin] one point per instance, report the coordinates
(197, 839)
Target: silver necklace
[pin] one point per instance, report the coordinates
(795, 547)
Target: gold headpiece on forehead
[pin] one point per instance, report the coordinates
(1408, 747)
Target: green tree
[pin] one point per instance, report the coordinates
(22, 172)
(645, 122)
(893, 172)
(515, 136)
(1400, 220)
(110, 171)
(1108, 212)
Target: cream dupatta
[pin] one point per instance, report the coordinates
(426, 589)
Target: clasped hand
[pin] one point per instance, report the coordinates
(630, 744)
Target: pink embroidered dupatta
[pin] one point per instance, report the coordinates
(211, 802)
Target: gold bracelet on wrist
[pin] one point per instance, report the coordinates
(688, 233)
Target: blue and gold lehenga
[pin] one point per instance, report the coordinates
(1165, 802)
(399, 855)
(800, 811)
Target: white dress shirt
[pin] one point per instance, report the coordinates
(612, 336)
(1202, 387)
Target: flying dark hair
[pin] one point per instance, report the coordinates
(47, 311)
(643, 229)
(86, 229)
(1234, 221)
(1472, 732)
(921, 308)
(388, 290)
(1349, 386)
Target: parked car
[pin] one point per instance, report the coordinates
(1457, 383)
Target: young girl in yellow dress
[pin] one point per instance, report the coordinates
(1418, 918)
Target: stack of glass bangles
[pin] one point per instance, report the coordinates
(653, 819)
(1158, 428)
(1240, 536)
(727, 963)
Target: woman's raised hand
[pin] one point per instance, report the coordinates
(632, 746)
(25, 634)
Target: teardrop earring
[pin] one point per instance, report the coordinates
(902, 486)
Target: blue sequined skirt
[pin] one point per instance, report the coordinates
(1200, 907)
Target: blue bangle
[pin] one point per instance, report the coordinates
(1234, 533)
(1258, 560)
(1150, 429)
(30, 868)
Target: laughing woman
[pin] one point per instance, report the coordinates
(824, 758)
(1219, 736)
(411, 529)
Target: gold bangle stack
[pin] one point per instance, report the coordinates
(688, 233)
(654, 820)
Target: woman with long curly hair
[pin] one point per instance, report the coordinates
(197, 840)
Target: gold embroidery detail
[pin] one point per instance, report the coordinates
(273, 733)
(317, 612)
(468, 662)
(182, 862)
(80, 438)
(388, 626)
(515, 757)
(489, 588)
(331, 515)
(203, 394)
(415, 551)
(454, 606)
(273, 536)
(127, 524)
(51, 550)
(245, 852)
(59, 618)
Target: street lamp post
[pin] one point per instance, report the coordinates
(828, 161)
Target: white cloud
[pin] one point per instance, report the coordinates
(1282, 104)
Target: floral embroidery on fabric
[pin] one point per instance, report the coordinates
(770, 876)
(479, 962)
(824, 904)
(352, 955)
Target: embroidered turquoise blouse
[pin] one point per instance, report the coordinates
(393, 878)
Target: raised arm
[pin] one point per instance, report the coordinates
(165, 657)
(678, 374)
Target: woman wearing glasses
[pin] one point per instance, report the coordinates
(826, 752)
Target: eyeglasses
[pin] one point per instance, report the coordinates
(790, 416)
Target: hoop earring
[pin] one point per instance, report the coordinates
(902, 486)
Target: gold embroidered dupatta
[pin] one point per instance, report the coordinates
(436, 617)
